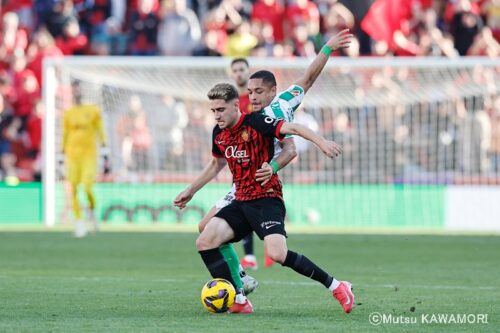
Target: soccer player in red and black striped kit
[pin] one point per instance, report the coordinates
(240, 72)
(245, 142)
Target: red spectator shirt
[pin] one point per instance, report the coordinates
(274, 15)
(72, 45)
(295, 14)
(34, 129)
(245, 147)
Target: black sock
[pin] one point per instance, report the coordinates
(301, 264)
(217, 265)
(248, 244)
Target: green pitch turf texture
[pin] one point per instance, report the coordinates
(150, 282)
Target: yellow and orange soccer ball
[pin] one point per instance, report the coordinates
(218, 295)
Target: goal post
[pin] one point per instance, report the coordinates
(417, 134)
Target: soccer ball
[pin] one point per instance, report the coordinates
(218, 295)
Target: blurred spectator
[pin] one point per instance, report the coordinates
(135, 137)
(303, 46)
(241, 42)
(72, 41)
(475, 142)
(465, 26)
(432, 40)
(7, 89)
(19, 72)
(484, 45)
(144, 29)
(491, 10)
(265, 37)
(12, 39)
(34, 130)
(9, 128)
(303, 12)
(27, 89)
(22, 8)
(42, 46)
(106, 19)
(208, 46)
(60, 13)
(272, 12)
(179, 33)
(169, 135)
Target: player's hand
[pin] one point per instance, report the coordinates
(182, 199)
(264, 174)
(331, 148)
(342, 40)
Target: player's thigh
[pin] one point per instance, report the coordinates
(234, 216)
(216, 232)
(266, 216)
(211, 213)
(89, 172)
(74, 172)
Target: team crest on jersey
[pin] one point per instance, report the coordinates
(244, 135)
(295, 93)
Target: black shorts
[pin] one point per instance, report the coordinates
(265, 216)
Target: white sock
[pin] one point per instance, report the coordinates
(240, 299)
(241, 269)
(334, 285)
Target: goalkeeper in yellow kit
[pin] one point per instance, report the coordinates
(82, 128)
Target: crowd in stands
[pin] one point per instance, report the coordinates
(34, 29)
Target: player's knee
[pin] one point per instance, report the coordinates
(277, 254)
(205, 242)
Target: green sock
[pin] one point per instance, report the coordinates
(233, 262)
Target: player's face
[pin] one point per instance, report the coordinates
(260, 94)
(226, 114)
(240, 73)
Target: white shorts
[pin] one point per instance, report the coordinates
(227, 199)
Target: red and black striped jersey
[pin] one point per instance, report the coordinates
(246, 146)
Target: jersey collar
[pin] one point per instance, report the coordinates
(238, 124)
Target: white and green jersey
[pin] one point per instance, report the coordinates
(283, 106)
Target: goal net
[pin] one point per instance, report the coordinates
(409, 128)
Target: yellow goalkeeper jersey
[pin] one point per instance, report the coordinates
(81, 129)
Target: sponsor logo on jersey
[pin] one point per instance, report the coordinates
(233, 152)
(295, 92)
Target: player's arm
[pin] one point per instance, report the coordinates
(329, 148)
(339, 41)
(288, 153)
(210, 171)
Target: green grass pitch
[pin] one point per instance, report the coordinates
(151, 282)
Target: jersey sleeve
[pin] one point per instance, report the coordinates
(266, 125)
(215, 149)
(292, 96)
